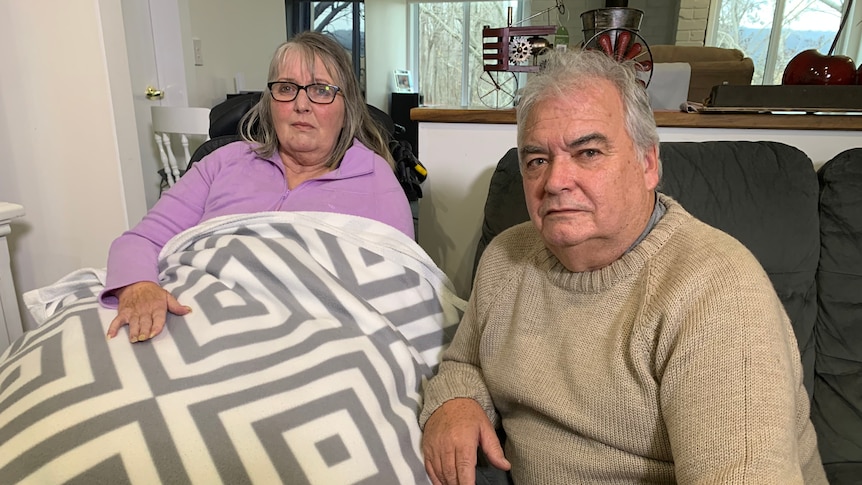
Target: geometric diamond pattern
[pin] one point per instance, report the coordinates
(300, 363)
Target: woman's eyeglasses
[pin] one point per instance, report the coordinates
(319, 93)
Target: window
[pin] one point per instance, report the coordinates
(344, 21)
(449, 47)
(771, 32)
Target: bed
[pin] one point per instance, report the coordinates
(301, 362)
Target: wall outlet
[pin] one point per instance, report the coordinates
(199, 58)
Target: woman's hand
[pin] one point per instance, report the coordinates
(143, 306)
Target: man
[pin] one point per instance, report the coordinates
(616, 338)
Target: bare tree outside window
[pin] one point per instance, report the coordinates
(748, 25)
(329, 14)
(336, 19)
(444, 44)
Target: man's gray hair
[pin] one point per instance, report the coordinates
(565, 72)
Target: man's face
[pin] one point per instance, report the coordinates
(587, 192)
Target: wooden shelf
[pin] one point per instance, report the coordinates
(667, 119)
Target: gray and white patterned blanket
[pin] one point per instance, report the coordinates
(301, 363)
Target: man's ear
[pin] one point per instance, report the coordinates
(652, 168)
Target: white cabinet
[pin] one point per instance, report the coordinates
(10, 319)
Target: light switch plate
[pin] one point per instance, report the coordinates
(199, 58)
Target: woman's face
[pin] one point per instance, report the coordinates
(306, 131)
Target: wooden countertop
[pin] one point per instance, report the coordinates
(840, 122)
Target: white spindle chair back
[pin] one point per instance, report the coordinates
(182, 122)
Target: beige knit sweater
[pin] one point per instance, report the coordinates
(675, 363)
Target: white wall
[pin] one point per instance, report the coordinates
(693, 20)
(461, 158)
(59, 151)
(385, 48)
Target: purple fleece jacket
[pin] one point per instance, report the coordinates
(234, 180)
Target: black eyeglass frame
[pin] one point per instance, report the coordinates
(299, 88)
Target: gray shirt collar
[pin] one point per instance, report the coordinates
(658, 211)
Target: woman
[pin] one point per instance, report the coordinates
(311, 145)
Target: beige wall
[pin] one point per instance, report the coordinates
(237, 40)
(60, 156)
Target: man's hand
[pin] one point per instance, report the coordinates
(451, 438)
(143, 306)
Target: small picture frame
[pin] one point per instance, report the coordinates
(402, 81)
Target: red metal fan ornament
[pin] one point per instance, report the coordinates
(614, 31)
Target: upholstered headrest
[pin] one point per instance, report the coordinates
(225, 116)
